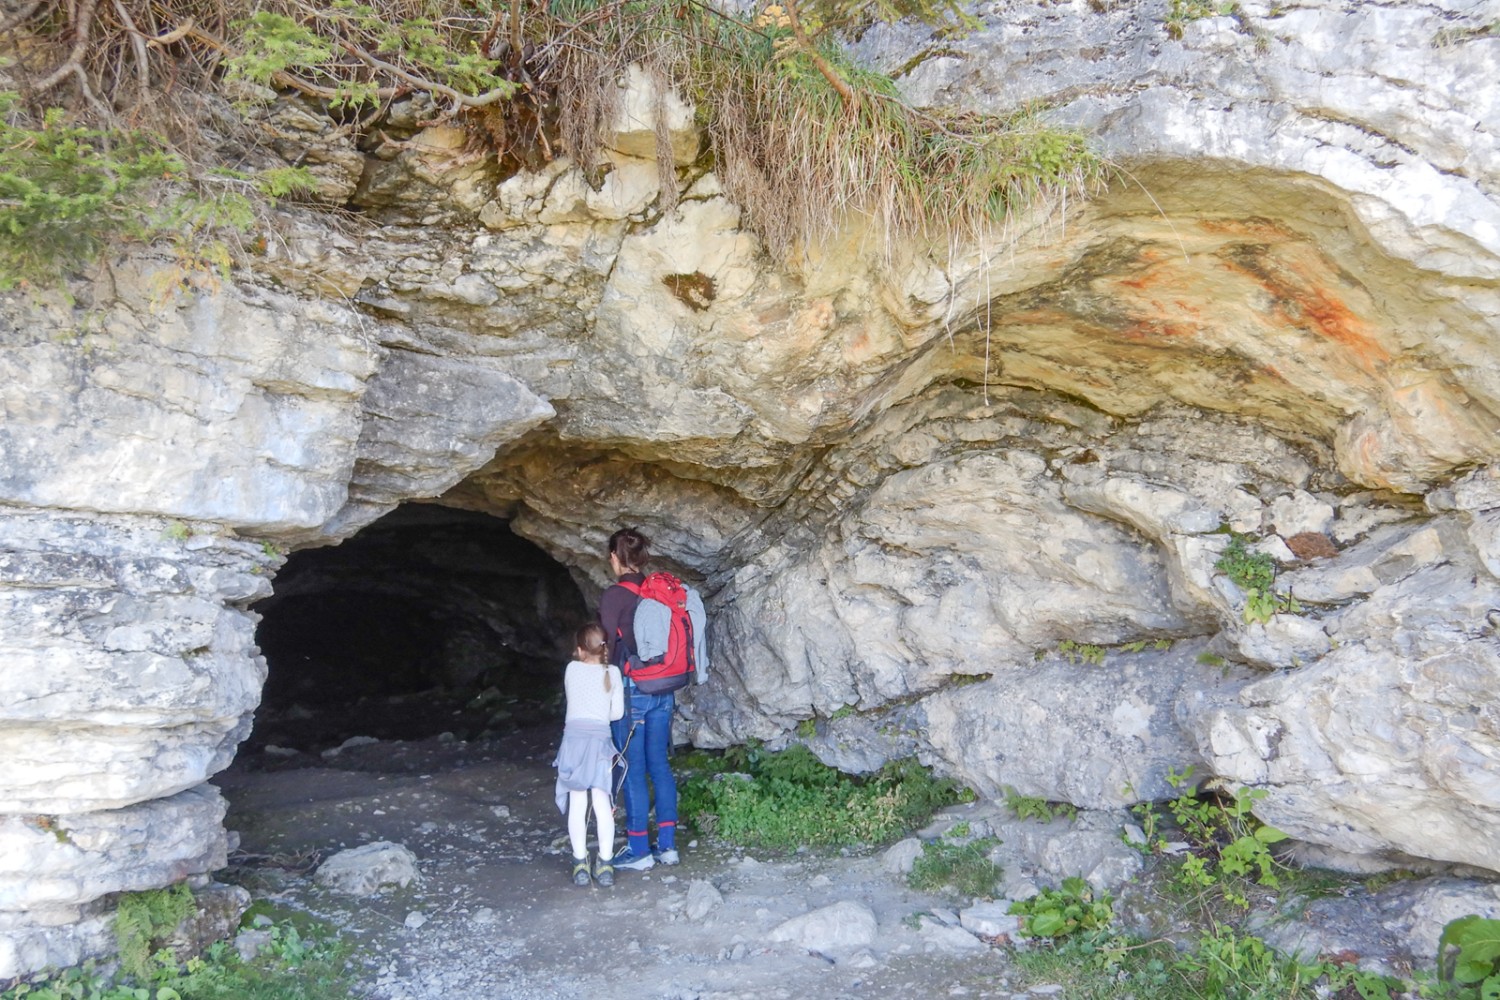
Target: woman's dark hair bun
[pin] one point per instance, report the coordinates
(632, 548)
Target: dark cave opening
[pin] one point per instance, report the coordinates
(431, 620)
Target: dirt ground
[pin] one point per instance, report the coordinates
(498, 917)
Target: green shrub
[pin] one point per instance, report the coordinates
(1067, 910)
(963, 866)
(788, 799)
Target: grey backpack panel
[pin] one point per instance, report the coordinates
(653, 620)
(699, 618)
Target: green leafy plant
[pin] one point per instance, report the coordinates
(961, 864)
(1469, 956)
(1070, 909)
(752, 796)
(1231, 847)
(69, 191)
(1254, 573)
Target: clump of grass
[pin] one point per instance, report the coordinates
(789, 799)
(963, 866)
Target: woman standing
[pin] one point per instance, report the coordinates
(644, 734)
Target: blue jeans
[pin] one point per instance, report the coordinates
(645, 750)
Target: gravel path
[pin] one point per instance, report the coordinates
(494, 914)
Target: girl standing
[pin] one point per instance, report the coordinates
(585, 760)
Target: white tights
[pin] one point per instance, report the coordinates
(578, 822)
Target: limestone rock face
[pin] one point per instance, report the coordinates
(966, 503)
(127, 658)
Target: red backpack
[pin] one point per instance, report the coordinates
(676, 667)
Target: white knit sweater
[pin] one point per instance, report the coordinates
(584, 686)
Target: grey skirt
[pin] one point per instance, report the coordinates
(585, 760)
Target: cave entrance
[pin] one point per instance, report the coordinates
(431, 620)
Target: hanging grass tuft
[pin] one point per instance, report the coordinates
(803, 139)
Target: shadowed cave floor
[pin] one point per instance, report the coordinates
(503, 919)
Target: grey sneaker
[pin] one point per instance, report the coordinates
(667, 857)
(604, 872)
(631, 861)
(581, 872)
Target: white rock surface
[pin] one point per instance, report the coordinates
(839, 928)
(702, 899)
(363, 870)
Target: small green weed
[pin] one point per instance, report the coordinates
(1182, 12)
(1231, 848)
(1075, 652)
(752, 796)
(807, 728)
(1064, 911)
(176, 531)
(1254, 573)
(1031, 807)
(965, 866)
(1210, 659)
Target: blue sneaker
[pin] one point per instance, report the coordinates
(631, 861)
(667, 857)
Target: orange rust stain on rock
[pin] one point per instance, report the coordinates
(1303, 301)
(1338, 322)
